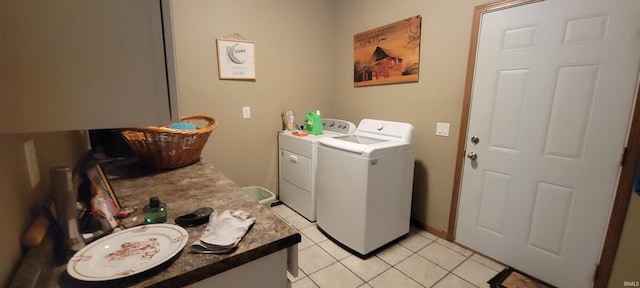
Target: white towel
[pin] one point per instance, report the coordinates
(224, 231)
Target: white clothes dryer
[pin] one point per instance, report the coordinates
(365, 182)
(297, 165)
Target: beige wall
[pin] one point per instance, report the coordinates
(294, 51)
(304, 55)
(21, 203)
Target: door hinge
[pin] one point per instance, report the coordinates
(623, 156)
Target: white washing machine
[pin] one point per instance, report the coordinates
(298, 162)
(365, 181)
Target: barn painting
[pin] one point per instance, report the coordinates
(389, 54)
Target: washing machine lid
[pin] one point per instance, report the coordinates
(360, 139)
(348, 144)
(373, 135)
(352, 143)
(388, 130)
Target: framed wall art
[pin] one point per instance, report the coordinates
(388, 55)
(236, 59)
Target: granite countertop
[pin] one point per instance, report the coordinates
(184, 190)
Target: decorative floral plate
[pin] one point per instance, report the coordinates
(127, 252)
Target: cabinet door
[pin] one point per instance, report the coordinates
(74, 65)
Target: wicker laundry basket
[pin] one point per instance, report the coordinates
(161, 147)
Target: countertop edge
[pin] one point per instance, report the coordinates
(201, 184)
(229, 263)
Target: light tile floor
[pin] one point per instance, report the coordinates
(421, 259)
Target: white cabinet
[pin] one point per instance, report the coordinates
(269, 271)
(75, 65)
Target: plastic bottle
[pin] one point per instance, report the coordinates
(308, 122)
(317, 124)
(155, 211)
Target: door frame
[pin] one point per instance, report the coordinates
(625, 180)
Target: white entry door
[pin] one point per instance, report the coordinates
(553, 91)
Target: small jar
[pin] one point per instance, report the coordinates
(155, 211)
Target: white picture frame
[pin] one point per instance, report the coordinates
(236, 59)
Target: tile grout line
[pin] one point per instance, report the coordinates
(405, 274)
(454, 268)
(466, 258)
(340, 262)
(451, 272)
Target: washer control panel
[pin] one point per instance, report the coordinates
(338, 126)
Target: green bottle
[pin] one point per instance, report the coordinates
(155, 211)
(308, 122)
(316, 129)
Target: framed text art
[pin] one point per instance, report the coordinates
(387, 55)
(236, 59)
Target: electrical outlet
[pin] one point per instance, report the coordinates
(442, 129)
(246, 112)
(32, 162)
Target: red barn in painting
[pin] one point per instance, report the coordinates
(384, 65)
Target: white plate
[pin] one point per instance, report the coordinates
(127, 252)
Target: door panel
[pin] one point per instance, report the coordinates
(552, 93)
(571, 111)
(550, 220)
(493, 205)
(507, 115)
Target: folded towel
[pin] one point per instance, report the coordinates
(183, 126)
(224, 231)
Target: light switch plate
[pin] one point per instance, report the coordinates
(246, 112)
(32, 162)
(442, 129)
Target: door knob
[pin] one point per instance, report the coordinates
(475, 139)
(472, 155)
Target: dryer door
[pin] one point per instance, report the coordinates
(295, 169)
